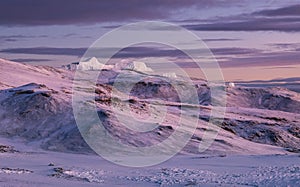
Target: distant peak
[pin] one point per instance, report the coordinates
(92, 59)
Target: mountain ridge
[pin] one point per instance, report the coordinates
(36, 106)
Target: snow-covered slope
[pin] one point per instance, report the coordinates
(39, 115)
(35, 105)
(275, 98)
(17, 74)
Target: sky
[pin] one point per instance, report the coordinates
(252, 40)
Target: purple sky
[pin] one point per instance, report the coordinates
(239, 33)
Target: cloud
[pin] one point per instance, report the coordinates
(250, 24)
(235, 51)
(264, 59)
(69, 35)
(30, 60)
(23, 36)
(78, 12)
(141, 52)
(56, 12)
(221, 39)
(227, 56)
(129, 52)
(286, 19)
(10, 40)
(285, 46)
(14, 38)
(46, 51)
(260, 59)
(292, 10)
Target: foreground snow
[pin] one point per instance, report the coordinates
(42, 168)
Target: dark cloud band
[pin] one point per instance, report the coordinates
(129, 52)
(56, 12)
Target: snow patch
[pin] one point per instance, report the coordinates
(15, 171)
(170, 75)
(231, 84)
(88, 175)
(262, 176)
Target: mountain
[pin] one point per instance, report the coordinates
(36, 107)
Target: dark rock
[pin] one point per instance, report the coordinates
(50, 164)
